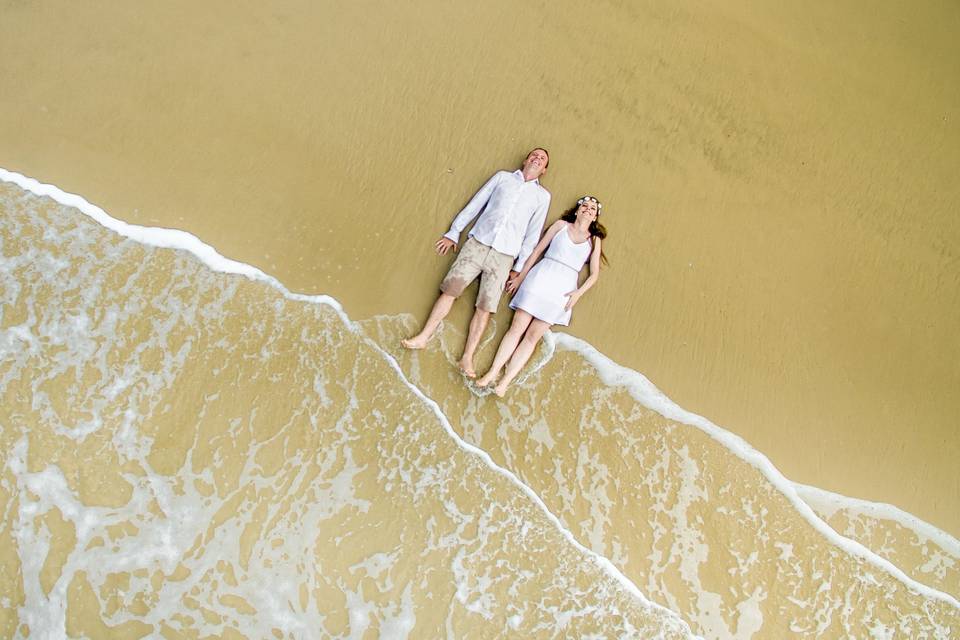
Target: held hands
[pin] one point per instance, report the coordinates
(443, 245)
(513, 282)
(573, 297)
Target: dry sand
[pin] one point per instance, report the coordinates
(779, 182)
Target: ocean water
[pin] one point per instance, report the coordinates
(190, 450)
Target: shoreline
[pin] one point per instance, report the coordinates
(779, 187)
(612, 373)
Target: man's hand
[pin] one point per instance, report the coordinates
(513, 282)
(444, 244)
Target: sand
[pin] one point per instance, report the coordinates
(778, 183)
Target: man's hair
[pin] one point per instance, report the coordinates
(545, 151)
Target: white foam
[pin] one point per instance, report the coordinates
(177, 239)
(164, 238)
(646, 393)
(829, 503)
(601, 561)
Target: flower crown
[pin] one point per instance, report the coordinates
(590, 199)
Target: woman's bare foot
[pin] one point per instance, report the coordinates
(486, 379)
(500, 390)
(416, 342)
(467, 367)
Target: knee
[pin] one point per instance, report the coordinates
(516, 330)
(531, 338)
(480, 317)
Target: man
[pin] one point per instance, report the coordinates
(514, 209)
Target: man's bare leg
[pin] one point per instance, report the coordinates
(478, 323)
(440, 310)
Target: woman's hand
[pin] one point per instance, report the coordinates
(514, 281)
(573, 296)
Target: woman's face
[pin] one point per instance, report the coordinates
(587, 210)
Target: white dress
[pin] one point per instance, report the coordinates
(542, 293)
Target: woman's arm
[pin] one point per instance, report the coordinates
(514, 283)
(591, 279)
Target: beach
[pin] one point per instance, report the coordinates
(778, 184)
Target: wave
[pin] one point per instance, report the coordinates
(815, 505)
(699, 529)
(926, 553)
(734, 552)
(228, 470)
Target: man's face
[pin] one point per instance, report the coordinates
(536, 163)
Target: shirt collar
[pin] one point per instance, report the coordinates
(519, 172)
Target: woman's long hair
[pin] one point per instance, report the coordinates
(597, 230)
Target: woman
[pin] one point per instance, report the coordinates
(548, 289)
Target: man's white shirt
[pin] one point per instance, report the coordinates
(513, 218)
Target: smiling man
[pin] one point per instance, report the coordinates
(514, 206)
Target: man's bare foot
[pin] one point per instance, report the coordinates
(415, 342)
(500, 390)
(467, 367)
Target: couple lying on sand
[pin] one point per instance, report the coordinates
(502, 249)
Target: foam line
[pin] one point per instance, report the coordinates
(829, 503)
(602, 561)
(166, 239)
(647, 394)
(178, 239)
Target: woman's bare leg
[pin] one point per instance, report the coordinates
(521, 320)
(522, 354)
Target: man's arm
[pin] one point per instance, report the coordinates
(534, 227)
(473, 208)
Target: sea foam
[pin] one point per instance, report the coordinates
(646, 393)
(615, 375)
(182, 240)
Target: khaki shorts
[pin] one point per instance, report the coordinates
(476, 259)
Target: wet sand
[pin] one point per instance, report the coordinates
(778, 183)
(177, 436)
